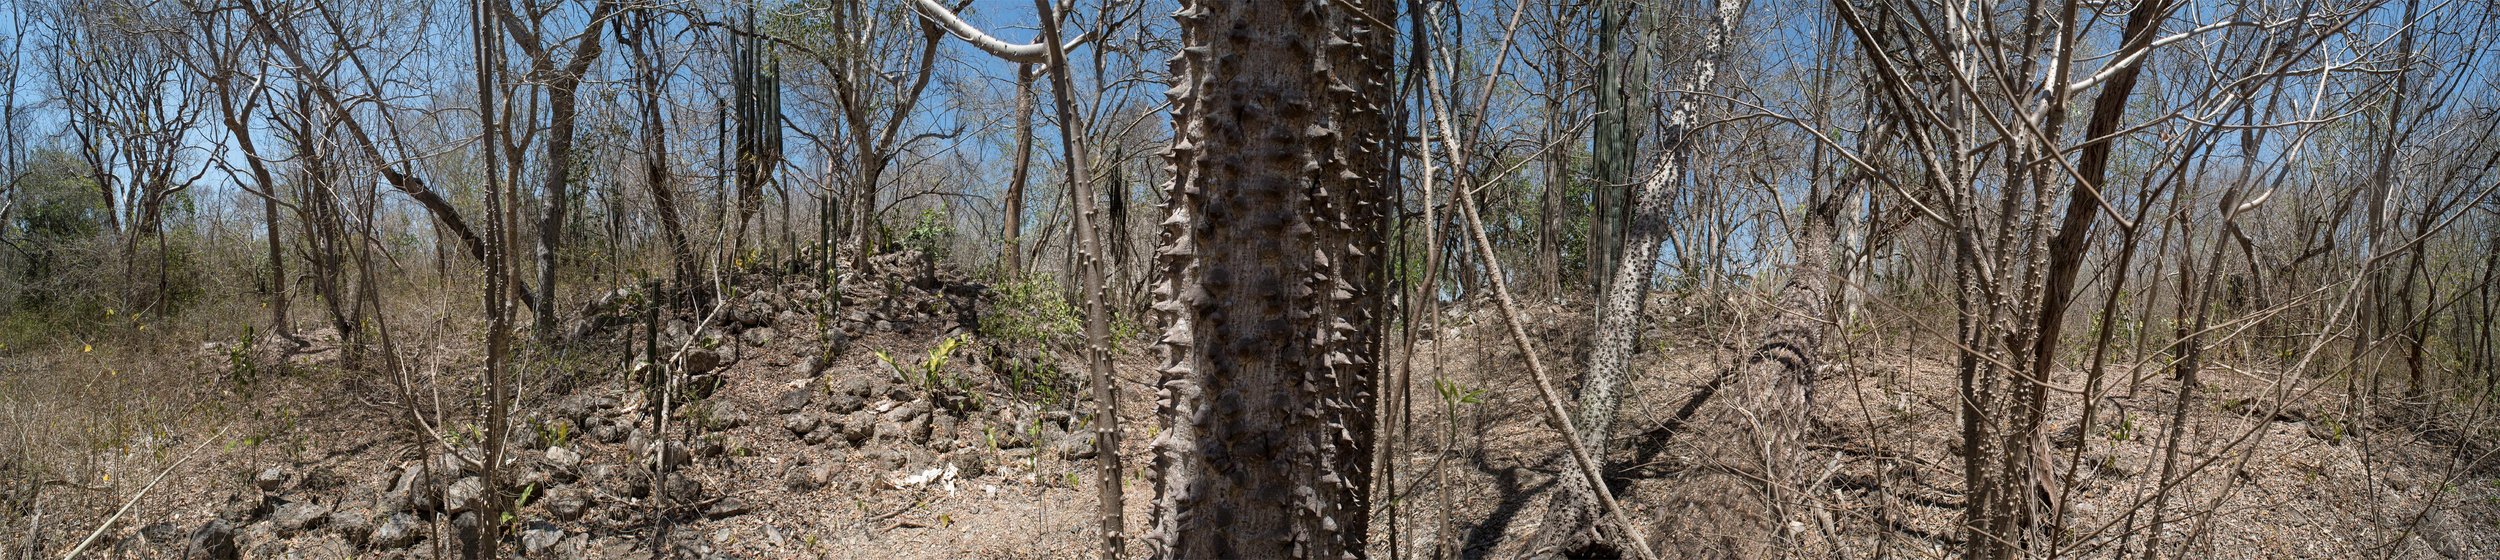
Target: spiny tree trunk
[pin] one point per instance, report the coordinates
(1089, 233)
(500, 206)
(756, 86)
(1747, 487)
(2027, 482)
(1270, 265)
(1571, 518)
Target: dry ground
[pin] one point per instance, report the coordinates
(2272, 467)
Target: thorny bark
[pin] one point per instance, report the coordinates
(1570, 520)
(499, 270)
(1097, 317)
(1270, 259)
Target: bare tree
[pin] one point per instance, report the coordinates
(562, 85)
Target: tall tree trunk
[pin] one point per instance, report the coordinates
(500, 207)
(1271, 262)
(2024, 484)
(1613, 148)
(1014, 213)
(1089, 237)
(562, 95)
(655, 149)
(262, 178)
(1571, 518)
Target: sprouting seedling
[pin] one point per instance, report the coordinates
(1455, 393)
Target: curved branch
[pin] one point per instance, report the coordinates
(1027, 53)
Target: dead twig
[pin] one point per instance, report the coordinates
(143, 492)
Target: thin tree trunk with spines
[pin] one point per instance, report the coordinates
(1571, 517)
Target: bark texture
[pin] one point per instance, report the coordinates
(563, 95)
(1571, 526)
(1745, 475)
(1271, 264)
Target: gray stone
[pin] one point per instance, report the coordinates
(271, 478)
(257, 540)
(1074, 445)
(464, 524)
(673, 454)
(760, 336)
(460, 462)
(801, 424)
(631, 483)
(861, 387)
(580, 407)
(908, 412)
(566, 504)
(410, 492)
(536, 541)
(638, 444)
(971, 464)
(795, 400)
(214, 540)
(464, 495)
(608, 433)
(398, 532)
(809, 478)
(296, 517)
(532, 478)
(572, 548)
(837, 342)
(563, 459)
(700, 361)
(353, 525)
(725, 415)
(523, 435)
(844, 403)
(684, 489)
(859, 426)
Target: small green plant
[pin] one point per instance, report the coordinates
(931, 233)
(2125, 430)
(239, 365)
(956, 392)
(1455, 393)
(518, 502)
(556, 433)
